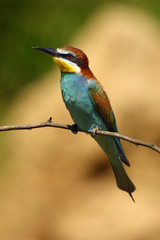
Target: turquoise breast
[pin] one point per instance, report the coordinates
(75, 95)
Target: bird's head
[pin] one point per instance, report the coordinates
(68, 59)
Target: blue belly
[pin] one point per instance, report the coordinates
(75, 95)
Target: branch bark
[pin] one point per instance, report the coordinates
(93, 132)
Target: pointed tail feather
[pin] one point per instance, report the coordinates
(122, 179)
(116, 154)
(130, 194)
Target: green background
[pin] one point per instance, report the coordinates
(41, 23)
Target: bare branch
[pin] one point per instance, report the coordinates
(128, 139)
(93, 132)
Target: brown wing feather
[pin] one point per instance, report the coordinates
(102, 104)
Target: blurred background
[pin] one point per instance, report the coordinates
(56, 185)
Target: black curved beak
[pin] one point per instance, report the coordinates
(50, 51)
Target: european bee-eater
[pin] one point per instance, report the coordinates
(89, 106)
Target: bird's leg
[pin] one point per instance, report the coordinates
(93, 132)
(74, 128)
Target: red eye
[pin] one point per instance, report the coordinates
(69, 56)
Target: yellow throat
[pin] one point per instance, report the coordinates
(66, 66)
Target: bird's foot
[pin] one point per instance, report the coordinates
(74, 128)
(94, 132)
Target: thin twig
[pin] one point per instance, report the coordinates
(94, 132)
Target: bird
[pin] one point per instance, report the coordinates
(89, 107)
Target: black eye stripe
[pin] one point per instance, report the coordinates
(71, 57)
(67, 56)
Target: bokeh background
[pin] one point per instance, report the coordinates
(56, 185)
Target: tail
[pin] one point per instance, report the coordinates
(116, 155)
(122, 179)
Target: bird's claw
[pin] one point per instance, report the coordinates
(74, 128)
(94, 132)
